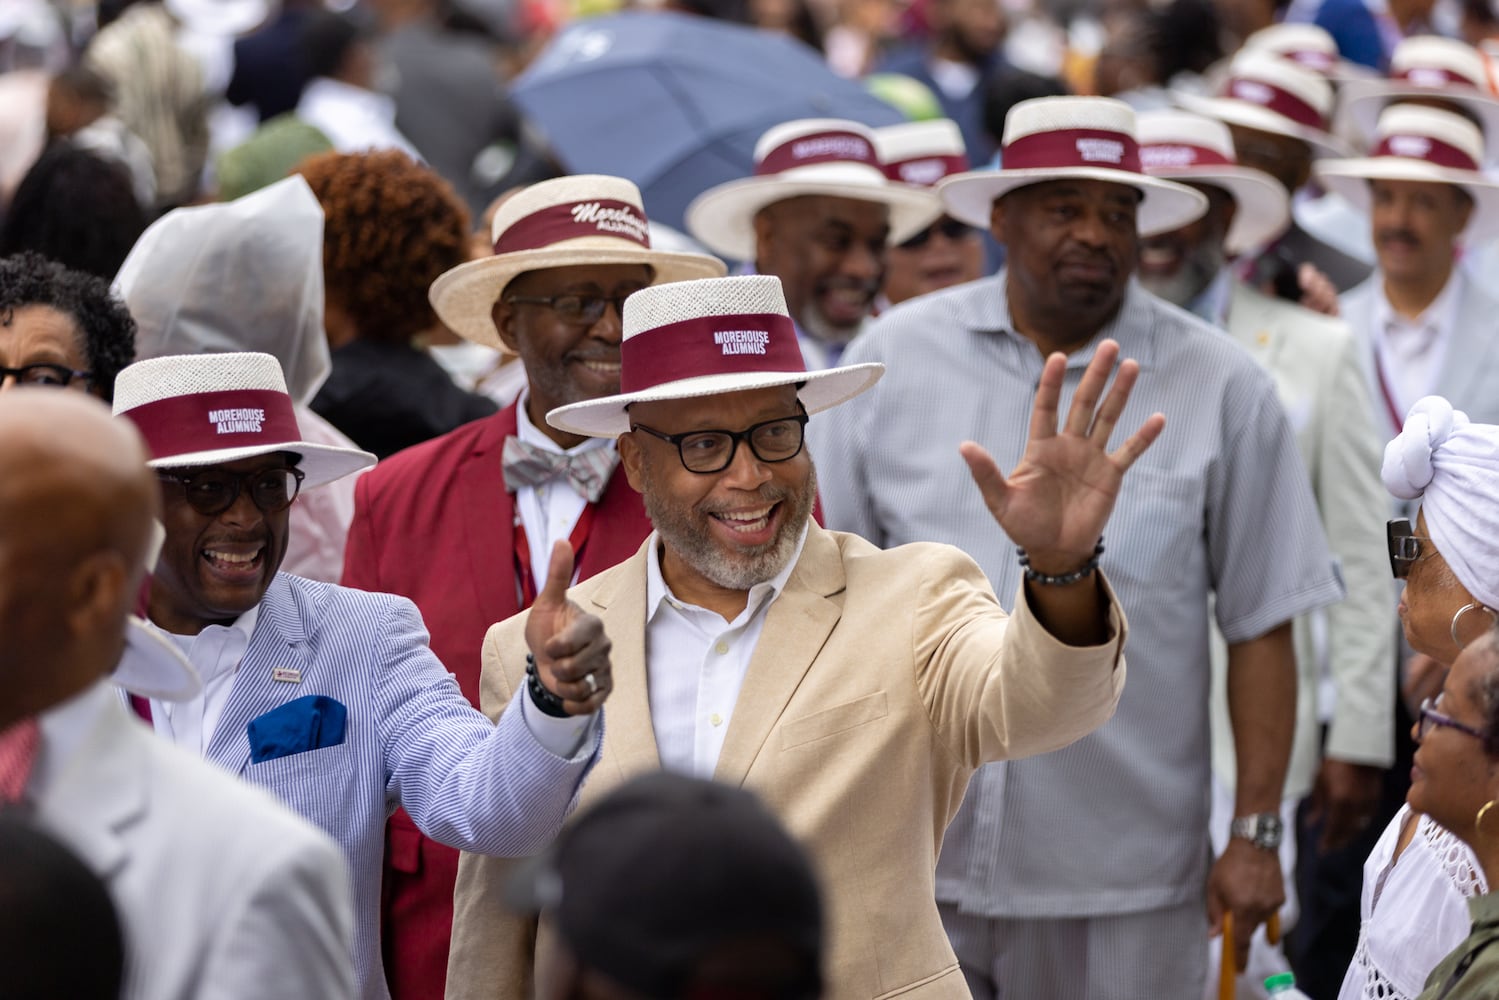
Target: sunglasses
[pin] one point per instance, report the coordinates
(213, 491)
(947, 226)
(1405, 546)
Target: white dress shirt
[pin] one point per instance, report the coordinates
(551, 510)
(215, 653)
(695, 665)
(1410, 352)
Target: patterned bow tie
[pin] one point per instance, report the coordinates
(588, 471)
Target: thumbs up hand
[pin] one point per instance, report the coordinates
(570, 647)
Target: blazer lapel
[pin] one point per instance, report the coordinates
(796, 626)
(629, 737)
(279, 640)
(488, 513)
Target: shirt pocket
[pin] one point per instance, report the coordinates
(1155, 533)
(831, 721)
(322, 766)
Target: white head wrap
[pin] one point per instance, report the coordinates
(245, 275)
(1452, 466)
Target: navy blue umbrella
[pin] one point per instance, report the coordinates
(675, 102)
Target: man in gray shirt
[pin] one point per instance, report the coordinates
(1082, 873)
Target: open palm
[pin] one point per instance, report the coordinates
(1055, 503)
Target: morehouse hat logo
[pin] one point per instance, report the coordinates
(924, 173)
(623, 220)
(1167, 157)
(1416, 147)
(239, 420)
(836, 146)
(742, 341)
(1094, 150)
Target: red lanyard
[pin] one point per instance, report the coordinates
(1384, 390)
(525, 580)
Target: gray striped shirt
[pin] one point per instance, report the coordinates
(1219, 505)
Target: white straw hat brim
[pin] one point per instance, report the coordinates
(1263, 209)
(1350, 178)
(820, 390)
(723, 217)
(969, 197)
(321, 463)
(153, 667)
(1236, 112)
(464, 297)
(1365, 100)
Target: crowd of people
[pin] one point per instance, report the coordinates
(951, 557)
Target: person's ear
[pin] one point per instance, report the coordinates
(98, 593)
(503, 315)
(997, 221)
(631, 459)
(765, 225)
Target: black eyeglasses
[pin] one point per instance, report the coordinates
(1430, 718)
(51, 376)
(213, 491)
(947, 226)
(704, 452)
(1405, 546)
(584, 309)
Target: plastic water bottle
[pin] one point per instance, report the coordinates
(1283, 987)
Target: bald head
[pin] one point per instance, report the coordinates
(76, 505)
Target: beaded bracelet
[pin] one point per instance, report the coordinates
(1064, 579)
(545, 701)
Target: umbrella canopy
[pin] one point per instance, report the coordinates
(675, 102)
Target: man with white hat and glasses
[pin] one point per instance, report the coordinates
(1280, 114)
(819, 213)
(330, 697)
(1083, 873)
(486, 503)
(1315, 363)
(854, 689)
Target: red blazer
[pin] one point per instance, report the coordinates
(434, 523)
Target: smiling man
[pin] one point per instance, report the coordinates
(855, 690)
(462, 525)
(820, 214)
(1083, 873)
(330, 697)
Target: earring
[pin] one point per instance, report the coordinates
(1478, 820)
(1459, 617)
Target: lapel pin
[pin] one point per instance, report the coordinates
(287, 675)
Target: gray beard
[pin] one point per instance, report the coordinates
(1196, 274)
(695, 547)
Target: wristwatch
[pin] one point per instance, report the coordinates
(1263, 830)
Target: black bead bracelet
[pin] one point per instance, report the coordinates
(1064, 579)
(547, 702)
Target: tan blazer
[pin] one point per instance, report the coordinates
(881, 681)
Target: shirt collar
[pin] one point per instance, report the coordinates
(64, 727)
(1211, 304)
(532, 435)
(984, 306)
(658, 593)
(1438, 317)
(218, 649)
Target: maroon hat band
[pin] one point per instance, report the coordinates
(1073, 147)
(1424, 147)
(924, 171)
(1435, 77)
(1272, 98)
(819, 147)
(215, 421)
(741, 344)
(1181, 156)
(573, 220)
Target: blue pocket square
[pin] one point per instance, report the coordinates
(309, 723)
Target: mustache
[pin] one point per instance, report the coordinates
(767, 493)
(869, 287)
(1403, 235)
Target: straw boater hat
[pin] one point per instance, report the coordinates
(1429, 67)
(1268, 92)
(1417, 143)
(209, 409)
(921, 153)
(582, 219)
(1308, 45)
(1181, 146)
(812, 156)
(703, 338)
(1089, 138)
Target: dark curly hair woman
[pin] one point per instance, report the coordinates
(60, 328)
(391, 227)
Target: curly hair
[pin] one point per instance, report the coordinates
(76, 208)
(391, 227)
(29, 279)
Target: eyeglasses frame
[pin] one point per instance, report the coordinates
(239, 479)
(735, 437)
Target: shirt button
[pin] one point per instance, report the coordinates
(716, 719)
(721, 649)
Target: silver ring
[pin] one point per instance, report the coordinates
(593, 684)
